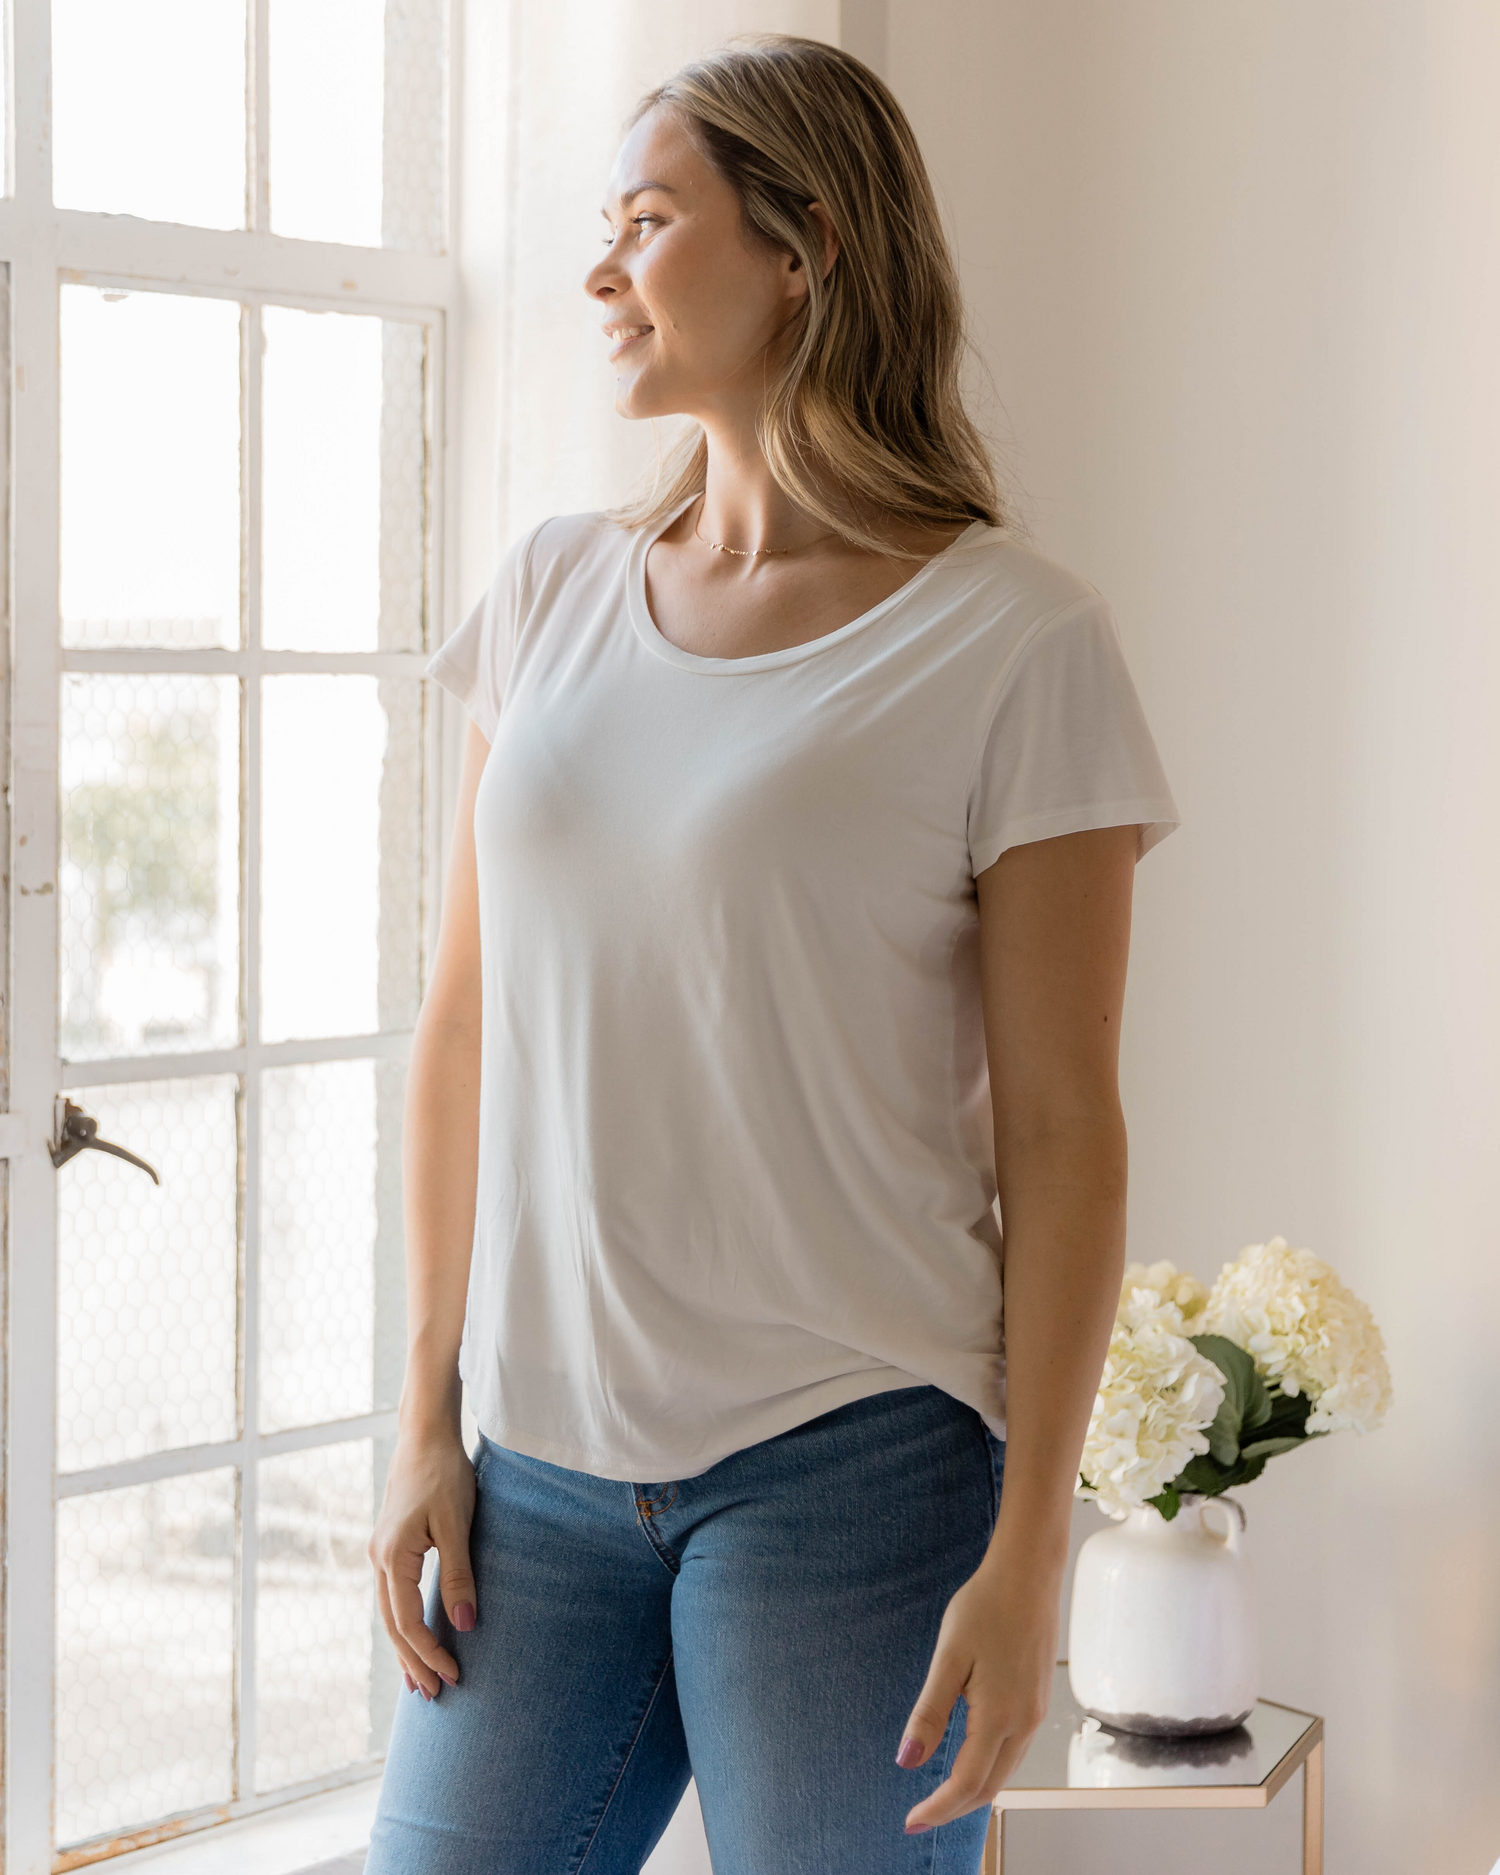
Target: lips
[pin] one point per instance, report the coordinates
(626, 336)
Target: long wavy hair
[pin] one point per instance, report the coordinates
(863, 424)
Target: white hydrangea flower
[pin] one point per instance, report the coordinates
(1179, 1287)
(1306, 1332)
(1156, 1395)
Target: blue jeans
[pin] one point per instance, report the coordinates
(764, 1627)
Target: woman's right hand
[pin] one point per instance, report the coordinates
(428, 1504)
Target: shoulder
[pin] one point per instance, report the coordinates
(568, 546)
(547, 556)
(1014, 585)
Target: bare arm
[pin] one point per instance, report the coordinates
(1054, 942)
(429, 1493)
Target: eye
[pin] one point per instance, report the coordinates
(636, 221)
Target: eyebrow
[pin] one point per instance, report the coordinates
(640, 188)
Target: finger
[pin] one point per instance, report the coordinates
(968, 1784)
(929, 1716)
(1006, 1764)
(404, 1655)
(404, 1658)
(456, 1579)
(428, 1682)
(404, 1574)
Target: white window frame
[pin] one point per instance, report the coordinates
(43, 247)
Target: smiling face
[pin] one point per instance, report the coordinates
(690, 304)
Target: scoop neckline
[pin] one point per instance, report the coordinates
(647, 631)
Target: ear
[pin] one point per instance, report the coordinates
(830, 235)
(796, 279)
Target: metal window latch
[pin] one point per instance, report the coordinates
(76, 1131)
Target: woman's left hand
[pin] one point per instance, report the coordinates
(997, 1647)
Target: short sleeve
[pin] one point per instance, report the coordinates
(1068, 747)
(474, 662)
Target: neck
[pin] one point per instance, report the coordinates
(742, 504)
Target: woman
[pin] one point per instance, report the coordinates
(794, 856)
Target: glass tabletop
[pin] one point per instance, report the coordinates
(1074, 1752)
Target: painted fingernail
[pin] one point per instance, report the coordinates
(909, 1754)
(446, 1678)
(424, 1692)
(917, 1829)
(463, 1617)
(411, 1685)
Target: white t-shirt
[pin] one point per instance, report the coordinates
(736, 1163)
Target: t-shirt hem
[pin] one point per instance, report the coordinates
(657, 1468)
(1156, 819)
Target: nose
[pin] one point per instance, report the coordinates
(604, 278)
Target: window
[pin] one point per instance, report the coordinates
(229, 312)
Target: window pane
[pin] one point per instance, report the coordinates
(149, 897)
(319, 1644)
(145, 1652)
(148, 1274)
(150, 469)
(331, 1293)
(345, 483)
(360, 161)
(341, 847)
(149, 109)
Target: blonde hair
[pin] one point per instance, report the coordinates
(864, 422)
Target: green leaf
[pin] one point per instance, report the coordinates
(1246, 1403)
(1201, 1474)
(1289, 1414)
(1168, 1501)
(1268, 1448)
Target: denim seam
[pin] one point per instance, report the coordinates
(995, 1455)
(937, 1834)
(661, 1680)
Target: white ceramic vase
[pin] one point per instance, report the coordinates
(1162, 1635)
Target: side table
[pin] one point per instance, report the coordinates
(1074, 1763)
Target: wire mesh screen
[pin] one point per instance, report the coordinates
(320, 1653)
(242, 872)
(145, 1652)
(148, 1275)
(330, 1285)
(149, 883)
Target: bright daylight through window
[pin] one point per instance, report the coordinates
(230, 299)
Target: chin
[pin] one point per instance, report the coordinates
(639, 401)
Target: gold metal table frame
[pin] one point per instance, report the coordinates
(1070, 1763)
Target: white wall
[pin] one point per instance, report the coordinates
(548, 84)
(1233, 265)
(1235, 268)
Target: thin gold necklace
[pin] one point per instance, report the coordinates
(747, 553)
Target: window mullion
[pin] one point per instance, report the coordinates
(258, 117)
(228, 263)
(249, 1494)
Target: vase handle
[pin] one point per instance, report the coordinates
(1234, 1527)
